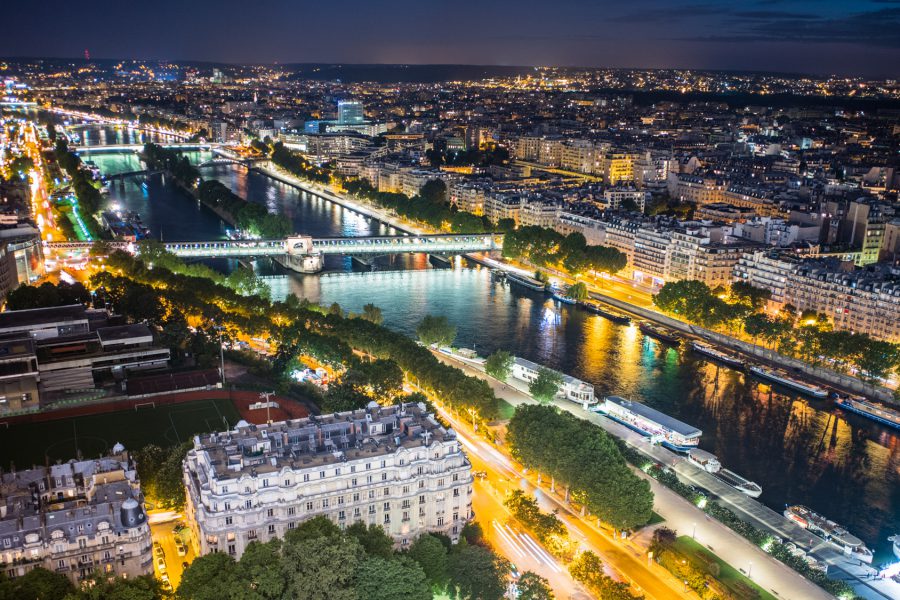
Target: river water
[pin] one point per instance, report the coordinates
(800, 451)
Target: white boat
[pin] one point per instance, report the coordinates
(861, 406)
(745, 486)
(670, 432)
(572, 389)
(830, 531)
(705, 460)
(784, 379)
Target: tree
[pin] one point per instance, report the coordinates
(434, 191)
(380, 578)
(628, 204)
(100, 248)
(436, 331)
(477, 573)
(499, 364)
(534, 587)
(36, 584)
(100, 587)
(431, 554)
(372, 538)
(373, 314)
(546, 385)
(321, 567)
(577, 291)
(259, 568)
(505, 225)
(211, 577)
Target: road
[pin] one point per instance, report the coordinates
(164, 534)
(626, 561)
(679, 514)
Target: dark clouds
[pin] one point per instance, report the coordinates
(820, 36)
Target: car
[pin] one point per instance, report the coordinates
(165, 584)
(158, 550)
(184, 565)
(180, 548)
(161, 564)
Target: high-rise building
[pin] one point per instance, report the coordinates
(393, 466)
(350, 112)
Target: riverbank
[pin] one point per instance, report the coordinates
(684, 516)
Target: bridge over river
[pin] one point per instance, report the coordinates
(304, 253)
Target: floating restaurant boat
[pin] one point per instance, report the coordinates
(560, 296)
(830, 531)
(572, 389)
(599, 309)
(722, 357)
(741, 484)
(789, 382)
(659, 333)
(658, 426)
(529, 282)
(705, 460)
(861, 406)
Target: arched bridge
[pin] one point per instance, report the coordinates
(138, 147)
(305, 247)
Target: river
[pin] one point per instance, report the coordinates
(800, 451)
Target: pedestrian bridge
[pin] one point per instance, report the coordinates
(307, 246)
(138, 147)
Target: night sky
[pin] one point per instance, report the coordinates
(855, 37)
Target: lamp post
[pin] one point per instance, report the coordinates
(474, 424)
(694, 533)
(221, 354)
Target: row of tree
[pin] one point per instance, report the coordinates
(807, 335)
(549, 248)
(585, 459)
(81, 181)
(319, 561)
(173, 162)
(299, 166)
(161, 475)
(42, 584)
(250, 217)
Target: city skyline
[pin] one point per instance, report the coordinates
(861, 38)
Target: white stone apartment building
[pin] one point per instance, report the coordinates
(75, 518)
(593, 230)
(391, 466)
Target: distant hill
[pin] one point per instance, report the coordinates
(402, 73)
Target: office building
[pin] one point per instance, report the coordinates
(350, 112)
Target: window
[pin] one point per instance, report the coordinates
(246, 489)
(368, 466)
(421, 511)
(387, 506)
(337, 471)
(292, 525)
(456, 477)
(356, 512)
(353, 468)
(368, 479)
(248, 504)
(309, 506)
(387, 518)
(371, 494)
(265, 483)
(387, 491)
(422, 485)
(270, 512)
(271, 529)
(306, 477)
(321, 474)
(422, 499)
(456, 493)
(420, 470)
(228, 506)
(342, 516)
(353, 482)
(287, 482)
(406, 515)
(228, 520)
(324, 502)
(405, 489)
(251, 535)
(384, 476)
(231, 549)
(371, 509)
(440, 521)
(440, 482)
(356, 497)
(456, 516)
(383, 464)
(292, 511)
(340, 500)
(406, 504)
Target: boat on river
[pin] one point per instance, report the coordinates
(896, 547)
(660, 333)
(787, 381)
(829, 531)
(559, 295)
(705, 460)
(741, 484)
(525, 281)
(599, 309)
(718, 355)
(861, 406)
(658, 426)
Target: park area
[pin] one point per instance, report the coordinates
(28, 444)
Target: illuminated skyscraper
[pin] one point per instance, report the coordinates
(350, 112)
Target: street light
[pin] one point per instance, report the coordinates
(694, 533)
(750, 570)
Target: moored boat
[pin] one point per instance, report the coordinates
(528, 282)
(660, 333)
(881, 414)
(560, 296)
(829, 530)
(896, 547)
(599, 309)
(741, 484)
(658, 426)
(722, 357)
(784, 379)
(705, 460)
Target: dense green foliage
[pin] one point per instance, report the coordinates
(499, 364)
(319, 561)
(250, 217)
(546, 526)
(46, 295)
(577, 291)
(297, 165)
(41, 584)
(809, 338)
(546, 385)
(436, 330)
(532, 586)
(159, 470)
(430, 206)
(548, 248)
(587, 569)
(172, 161)
(81, 181)
(582, 456)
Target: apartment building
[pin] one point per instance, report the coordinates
(593, 230)
(767, 270)
(614, 197)
(539, 213)
(392, 466)
(617, 167)
(75, 518)
(503, 206)
(650, 261)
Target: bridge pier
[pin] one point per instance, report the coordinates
(439, 260)
(301, 263)
(362, 261)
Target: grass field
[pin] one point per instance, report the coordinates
(28, 444)
(731, 578)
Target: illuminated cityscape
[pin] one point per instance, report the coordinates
(323, 314)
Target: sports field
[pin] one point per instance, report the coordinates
(28, 444)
